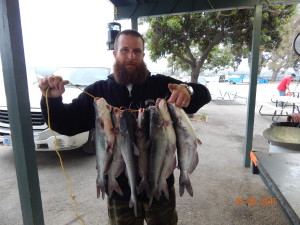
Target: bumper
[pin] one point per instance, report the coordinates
(46, 141)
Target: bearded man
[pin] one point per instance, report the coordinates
(131, 85)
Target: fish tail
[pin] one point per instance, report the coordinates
(114, 187)
(157, 194)
(150, 199)
(185, 183)
(164, 188)
(99, 191)
(133, 203)
(142, 186)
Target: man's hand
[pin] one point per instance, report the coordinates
(180, 95)
(55, 84)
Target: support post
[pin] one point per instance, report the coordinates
(134, 23)
(15, 81)
(253, 83)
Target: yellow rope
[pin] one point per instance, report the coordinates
(61, 162)
(132, 110)
(58, 154)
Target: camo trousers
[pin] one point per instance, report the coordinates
(161, 212)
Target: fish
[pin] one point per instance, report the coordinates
(186, 144)
(127, 131)
(170, 155)
(117, 165)
(143, 146)
(158, 139)
(104, 141)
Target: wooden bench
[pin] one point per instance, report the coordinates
(277, 111)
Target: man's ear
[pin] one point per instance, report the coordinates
(115, 53)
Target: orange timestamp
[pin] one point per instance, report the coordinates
(256, 201)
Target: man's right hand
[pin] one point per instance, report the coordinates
(55, 84)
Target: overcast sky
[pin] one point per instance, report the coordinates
(65, 32)
(68, 32)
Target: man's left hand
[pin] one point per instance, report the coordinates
(180, 95)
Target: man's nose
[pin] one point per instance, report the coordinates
(131, 55)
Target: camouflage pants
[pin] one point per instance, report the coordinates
(161, 212)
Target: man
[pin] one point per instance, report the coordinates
(285, 84)
(130, 85)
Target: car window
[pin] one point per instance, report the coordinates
(83, 75)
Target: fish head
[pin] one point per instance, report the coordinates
(115, 116)
(154, 116)
(143, 119)
(157, 102)
(101, 106)
(127, 121)
(162, 106)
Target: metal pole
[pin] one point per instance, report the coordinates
(134, 23)
(253, 83)
(15, 80)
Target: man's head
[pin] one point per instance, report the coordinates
(129, 55)
(293, 74)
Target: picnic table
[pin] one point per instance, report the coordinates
(280, 108)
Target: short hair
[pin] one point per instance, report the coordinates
(129, 32)
(294, 75)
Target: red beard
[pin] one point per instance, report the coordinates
(123, 76)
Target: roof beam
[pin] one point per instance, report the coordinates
(164, 7)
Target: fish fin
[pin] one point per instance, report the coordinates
(194, 163)
(198, 141)
(115, 188)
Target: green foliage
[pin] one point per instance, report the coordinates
(192, 40)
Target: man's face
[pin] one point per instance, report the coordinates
(130, 52)
(129, 64)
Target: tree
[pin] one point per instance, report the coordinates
(284, 56)
(193, 38)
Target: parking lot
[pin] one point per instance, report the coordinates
(218, 181)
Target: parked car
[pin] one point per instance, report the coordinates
(43, 138)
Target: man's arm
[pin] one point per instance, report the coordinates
(67, 119)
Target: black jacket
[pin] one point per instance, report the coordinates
(79, 116)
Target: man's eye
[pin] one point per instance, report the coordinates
(124, 50)
(137, 51)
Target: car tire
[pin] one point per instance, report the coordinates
(231, 82)
(89, 146)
